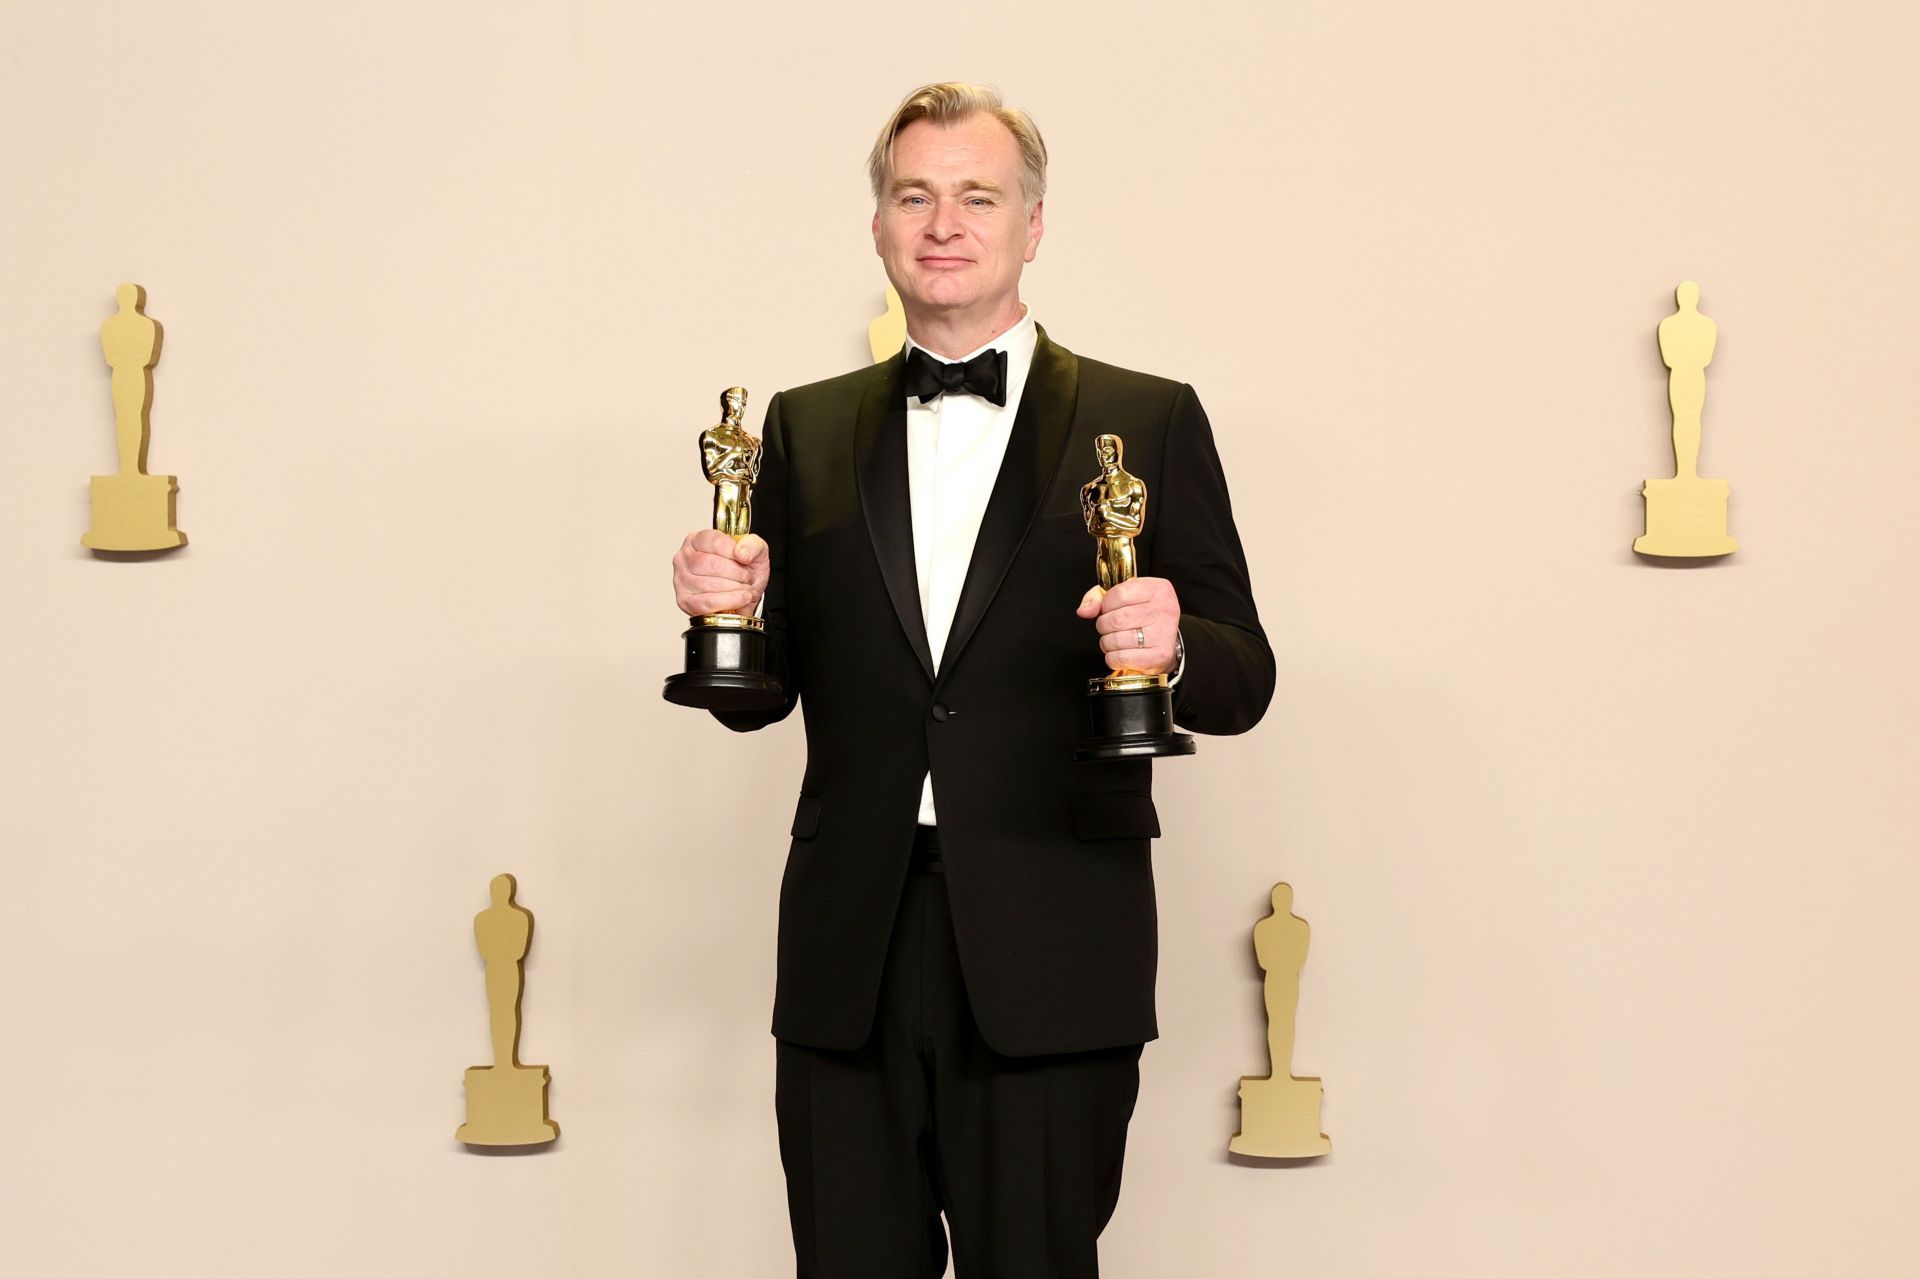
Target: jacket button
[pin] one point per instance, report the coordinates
(940, 712)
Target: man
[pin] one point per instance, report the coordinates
(967, 945)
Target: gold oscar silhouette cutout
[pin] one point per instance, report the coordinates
(888, 332)
(132, 511)
(506, 1102)
(1280, 1115)
(1686, 515)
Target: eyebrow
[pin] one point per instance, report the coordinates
(968, 184)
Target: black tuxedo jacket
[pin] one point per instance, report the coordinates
(1046, 859)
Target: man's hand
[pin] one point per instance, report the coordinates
(1140, 604)
(714, 574)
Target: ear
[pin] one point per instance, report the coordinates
(876, 234)
(1036, 227)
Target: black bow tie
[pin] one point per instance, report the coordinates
(985, 375)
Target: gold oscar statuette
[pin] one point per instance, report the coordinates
(726, 653)
(1132, 712)
(506, 1102)
(1279, 1114)
(132, 511)
(1686, 515)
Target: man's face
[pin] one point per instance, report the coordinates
(953, 228)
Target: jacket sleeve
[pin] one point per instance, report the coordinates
(1228, 678)
(770, 522)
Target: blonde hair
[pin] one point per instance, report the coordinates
(949, 103)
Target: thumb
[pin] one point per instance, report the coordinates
(1090, 602)
(750, 549)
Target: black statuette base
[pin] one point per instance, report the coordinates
(726, 671)
(1131, 723)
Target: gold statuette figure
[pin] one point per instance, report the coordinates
(1686, 515)
(506, 1102)
(1115, 505)
(132, 511)
(730, 459)
(1132, 711)
(726, 653)
(1279, 1114)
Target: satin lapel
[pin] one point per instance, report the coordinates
(880, 460)
(1040, 431)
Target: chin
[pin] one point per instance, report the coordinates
(947, 299)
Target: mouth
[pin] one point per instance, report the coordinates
(944, 263)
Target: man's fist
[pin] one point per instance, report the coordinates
(714, 574)
(1139, 605)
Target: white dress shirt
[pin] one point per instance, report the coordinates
(955, 444)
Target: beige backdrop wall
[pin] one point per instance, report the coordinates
(1610, 866)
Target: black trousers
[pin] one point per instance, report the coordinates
(1021, 1154)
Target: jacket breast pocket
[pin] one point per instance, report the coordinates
(806, 817)
(1115, 815)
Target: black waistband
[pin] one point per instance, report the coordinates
(926, 849)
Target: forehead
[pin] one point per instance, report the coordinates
(976, 147)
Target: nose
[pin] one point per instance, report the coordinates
(944, 225)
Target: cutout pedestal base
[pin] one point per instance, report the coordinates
(1686, 518)
(1280, 1119)
(133, 513)
(507, 1106)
